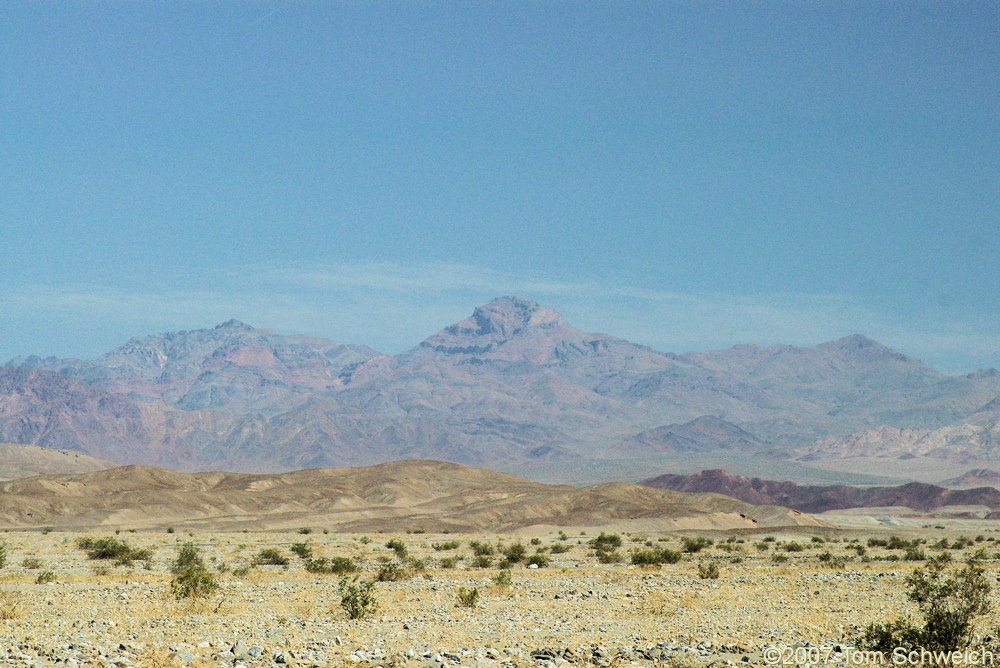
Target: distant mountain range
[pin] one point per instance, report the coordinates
(514, 384)
(822, 498)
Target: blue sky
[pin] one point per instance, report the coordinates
(687, 175)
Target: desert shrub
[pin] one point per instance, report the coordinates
(242, 571)
(559, 549)
(708, 571)
(270, 556)
(762, 546)
(536, 541)
(111, 548)
(449, 545)
(10, 604)
(398, 547)
(779, 558)
(950, 603)
(562, 536)
(357, 598)
(302, 550)
(305, 531)
(692, 545)
(515, 553)
(609, 556)
(3, 554)
(467, 598)
(335, 565)
(188, 555)
(736, 560)
(364, 540)
(877, 542)
(961, 543)
(816, 539)
(481, 549)
(655, 557)
(606, 541)
(191, 579)
(170, 529)
(418, 565)
(502, 579)
(31, 563)
(858, 549)
(482, 561)
(391, 572)
(914, 554)
(449, 562)
(792, 547)
(45, 577)
(897, 543)
(539, 560)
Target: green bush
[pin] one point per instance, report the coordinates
(606, 542)
(31, 563)
(693, 545)
(398, 547)
(877, 542)
(481, 549)
(468, 598)
(449, 545)
(482, 561)
(709, 571)
(792, 547)
(539, 560)
(449, 562)
(302, 550)
(3, 554)
(391, 572)
(950, 603)
(559, 549)
(608, 556)
(191, 579)
(112, 548)
(335, 565)
(270, 556)
(45, 577)
(502, 579)
(357, 598)
(515, 553)
(655, 557)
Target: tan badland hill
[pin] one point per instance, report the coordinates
(428, 495)
(24, 461)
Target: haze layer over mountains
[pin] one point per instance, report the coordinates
(512, 387)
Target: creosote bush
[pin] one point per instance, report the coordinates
(692, 545)
(398, 547)
(302, 550)
(468, 598)
(708, 571)
(357, 597)
(334, 565)
(949, 601)
(45, 577)
(191, 579)
(112, 548)
(655, 556)
(270, 556)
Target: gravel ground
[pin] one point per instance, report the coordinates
(572, 611)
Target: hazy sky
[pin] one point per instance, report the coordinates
(686, 175)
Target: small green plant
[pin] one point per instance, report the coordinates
(449, 562)
(191, 579)
(482, 561)
(481, 549)
(449, 545)
(502, 579)
(606, 542)
(45, 577)
(398, 547)
(170, 529)
(31, 563)
(364, 540)
(693, 545)
(536, 541)
(709, 571)
(539, 560)
(515, 553)
(468, 598)
(357, 597)
(792, 547)
(112, 548)
(302, 550)
(655, 557)
(559, 549)
(779, 558)
(609, 556)
(270, 556)
(391, 572)
(305, 531)
(335, 565)
(950, 603)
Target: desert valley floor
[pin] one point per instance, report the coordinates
(812, 587)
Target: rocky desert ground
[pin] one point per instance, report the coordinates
(573, 597)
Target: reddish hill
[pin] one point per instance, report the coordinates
(818, 499)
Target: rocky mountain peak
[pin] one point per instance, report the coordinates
(235, 325)
(507, 316)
